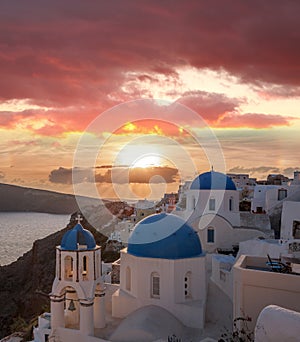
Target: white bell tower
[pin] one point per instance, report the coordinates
(77, 297)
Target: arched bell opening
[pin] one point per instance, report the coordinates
(71, 308)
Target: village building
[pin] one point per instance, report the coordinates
(213, 211)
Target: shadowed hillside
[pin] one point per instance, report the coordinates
(17, 198)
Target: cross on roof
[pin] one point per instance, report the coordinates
(79, 218)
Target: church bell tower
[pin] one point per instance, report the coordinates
(77, 297)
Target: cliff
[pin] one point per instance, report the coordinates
(17, 198)
(23, 281)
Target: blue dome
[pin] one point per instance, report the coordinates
(212, 180)
(164, 236)
(77, 236)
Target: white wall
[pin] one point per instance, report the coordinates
(172, 297)
(258, 247)
(255, 289)
(290, 213)
(198, 201)
(261, 194)
(221, 273)
(277, 324)
(69, 335)
(225, 234)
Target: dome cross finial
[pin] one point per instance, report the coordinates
(79, 218)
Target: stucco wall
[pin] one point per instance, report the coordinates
(255, 289)
(172, 292)
(222, 275)
(225, 234)
(290, 213)
(277, 324)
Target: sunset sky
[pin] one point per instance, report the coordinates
(68, 67)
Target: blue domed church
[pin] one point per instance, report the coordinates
(163, 265)
(212, 209)
(77, 297)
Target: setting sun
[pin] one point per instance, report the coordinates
(147, 161)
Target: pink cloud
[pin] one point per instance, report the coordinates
(253, 120)
(73, 55)
(61, 56)
(209, 105)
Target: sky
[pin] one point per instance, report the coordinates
(112, 95)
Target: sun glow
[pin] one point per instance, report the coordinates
(147, 161)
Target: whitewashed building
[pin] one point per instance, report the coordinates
(213, 211)
(77, 297)
(164, 265)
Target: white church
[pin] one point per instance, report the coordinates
(163, 267)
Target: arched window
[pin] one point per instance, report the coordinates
(128, 278)
(68, 268)
(230, 204)
(210, 235)
(85, 267)
(155, 285)
(187, 285)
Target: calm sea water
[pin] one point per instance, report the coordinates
(18, 231)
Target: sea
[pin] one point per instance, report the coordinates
(18, 231)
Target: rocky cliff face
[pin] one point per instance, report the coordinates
(23, 281)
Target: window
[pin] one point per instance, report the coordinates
(85, 267)
(155, 285)
(230, 204)
(98, 266)
(222, 276)
(187, 285)
(296, 229)
(128, 278)
(68, 268)
(193, 203)
(282, 193)
(212, 204)
(210, 235)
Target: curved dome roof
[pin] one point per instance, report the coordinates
(213, 180)
(77, 236)
(164, 236)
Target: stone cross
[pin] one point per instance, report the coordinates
(78, 218)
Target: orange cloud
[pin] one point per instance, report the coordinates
(151, 127)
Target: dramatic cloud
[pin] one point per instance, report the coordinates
(117, 175)
(64, 175)
(223, 112)
(210, 106)
(57, 55)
